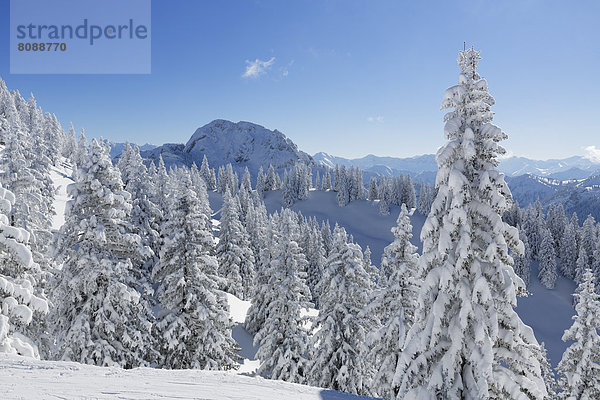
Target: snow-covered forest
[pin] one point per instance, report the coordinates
(129, 263)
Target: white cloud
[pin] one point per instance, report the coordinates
(378, 119)
(285, 70)
(592, 153)
(256, 68)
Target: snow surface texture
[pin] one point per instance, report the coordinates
(24, 378)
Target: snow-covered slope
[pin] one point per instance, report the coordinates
(243, 144)
(24, 378)
(547, 311)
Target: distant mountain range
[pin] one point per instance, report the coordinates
(581, 196)
(575, 167)
(573, 181)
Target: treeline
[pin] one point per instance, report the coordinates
(559, 243)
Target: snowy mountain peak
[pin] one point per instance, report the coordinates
(243, 144)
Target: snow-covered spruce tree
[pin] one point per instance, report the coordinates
(547, 269)
(162, 187)
(227, 180)
(54, 138)
(589, 236)
(373, 193)
(70, 145)
(296, 184)
(99, 318)
(315, 256)
(270, 179)
(260, 182)
(327, 180)
(568, 251)
(288, 197)
(29, 181)
(125, 163)
(246, 185)
(326, 237)
(556, 221)
(201, 189)
(337, 348)
(20, 306)
(244, 202)
(257, 313)
(582, 264)
(256, 223)
(384, 203)
(407, 194)
(522, 262)
(371, 269)
(193, 328)
(425, 198)
(394, 305)
(469, 343)
(342, 186)
(236, 259)
(547, 373)
(533, 224)
(513, 216)
(579, 368)
(208, 174)
(282, 340)
(596, 260)
(81, 150)
(145, 215)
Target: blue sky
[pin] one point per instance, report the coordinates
(346, 77)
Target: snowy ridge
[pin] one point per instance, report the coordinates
(577, 195)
